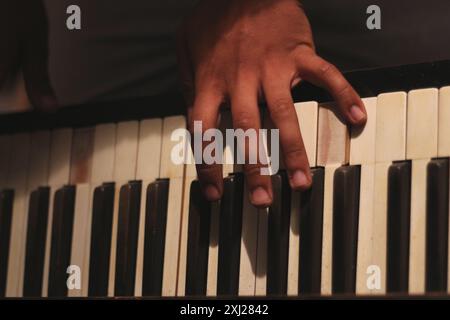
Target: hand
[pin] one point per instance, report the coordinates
(237, 50)
(24, 45)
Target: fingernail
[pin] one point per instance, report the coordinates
(260, 197)
(299, 180)
(357, 113)
(212, 193)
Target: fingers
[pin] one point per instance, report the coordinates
(316, 70)
(203, 116)
(245, 113)
(35, 60)
(283, 115)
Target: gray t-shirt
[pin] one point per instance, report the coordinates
(126, 48)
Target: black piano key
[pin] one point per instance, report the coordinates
(6, 207)
(278, 236)
(310, 231)
(35, 243)
(127, 238)
(345, 228)
(437, 226)
(398, 224)
(198, 242)
(230, 235)
(61, 243)
(102, 220)
(155, 237)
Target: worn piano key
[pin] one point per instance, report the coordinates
(310, 229)
(59, 173)
(398, 215)
(345, 228)
(155, 236)
(198, 242)
(125, 160)
(362, 152)
(249, 241)
(178, 196)
(61, 241)
(230, 235)
(417, 242)
(17, 180)
(332, 152)
(127, 237)
(278, 236)
(80, 176)
(307, 115)
(100, 245)
(35, 245)
(390, 146)
(6, 208)
(422, 128)
(437, 226)
(444, 120)
(147, 170)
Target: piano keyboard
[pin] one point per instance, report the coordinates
(102, 211)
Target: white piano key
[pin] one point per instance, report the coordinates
(103, 155)
(227, 168)
(379, 222)
(327, 235)
(175, 211)
(124, 170)
(418, 226)
(332, 138)
(148, 165)
(190, 176)
(17, 180)
(362, 142)
(365, 227)
(391, 127)
(261, 253)
(332, 152)
(59, 174)
(422, 128)
(249, 243)
(307, 114)
(80, 176)
(444, 120)
(362, 152)
(40, 159)
(213, 255)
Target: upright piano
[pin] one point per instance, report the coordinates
(92, 206)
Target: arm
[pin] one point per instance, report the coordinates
(24, 46)
(238, 50)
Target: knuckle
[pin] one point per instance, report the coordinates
(326, 69)
(295, 154)
(243, 120)
(281, 108)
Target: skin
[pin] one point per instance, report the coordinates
(235, 52)
(24, 46)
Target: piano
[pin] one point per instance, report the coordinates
(92, 206)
